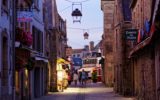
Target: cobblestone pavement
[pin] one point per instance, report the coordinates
(92, 91)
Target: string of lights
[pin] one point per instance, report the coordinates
(77, 1)
(76, 11)
(66, 8)
(92, 28)
(75, 43)
(72, 3)
(86, 31)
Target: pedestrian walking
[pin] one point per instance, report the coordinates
(69, 78)
(75, 77)
(83, 77)
(89, 77)
(80, 77)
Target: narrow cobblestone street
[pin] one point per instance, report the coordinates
(92, 91)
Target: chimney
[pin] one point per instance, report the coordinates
(91, 45)
(86, 48)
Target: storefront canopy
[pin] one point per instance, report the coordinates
(41, 58)
(62, 61)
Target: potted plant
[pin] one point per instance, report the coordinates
(94, 76)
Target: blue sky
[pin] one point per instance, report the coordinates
(92, 20)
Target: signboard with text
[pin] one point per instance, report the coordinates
(131, 34)
(24, 16)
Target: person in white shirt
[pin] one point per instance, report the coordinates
(75, 77)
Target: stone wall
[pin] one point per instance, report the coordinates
(144, 74)
(122, 72)
(108, 10)
(141, 12)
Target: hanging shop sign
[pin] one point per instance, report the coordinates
(131, 34)
(24, 16)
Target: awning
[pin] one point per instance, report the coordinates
(140, 46)
(87, 69)
(62, 61)
(41, 58)
(61, 64)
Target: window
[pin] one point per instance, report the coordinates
(37, 40)
(24, 5)
(25, 26)
(4, 62)
(5, 3)
(116, 40)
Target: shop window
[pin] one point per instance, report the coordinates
(4, 62)
(17, 82)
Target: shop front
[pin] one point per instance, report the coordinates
(23, 63)
(62, 74)
(22, 74)
(38, 77)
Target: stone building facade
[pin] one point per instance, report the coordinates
(108, 10)
(57, 40)
(31, 62)
(6, 50)
(122, 23)
(143, 56)
(136, 62)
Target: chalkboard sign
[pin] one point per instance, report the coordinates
(131, 34)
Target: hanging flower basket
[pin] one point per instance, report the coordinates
(24, 37)
(27, 39)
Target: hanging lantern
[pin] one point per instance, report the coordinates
(76, 11)
(76, 14)
(86, 35)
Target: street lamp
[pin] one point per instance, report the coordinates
(76, 11)
(86, 35)
(76, 14)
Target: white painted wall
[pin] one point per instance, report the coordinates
(38, 21)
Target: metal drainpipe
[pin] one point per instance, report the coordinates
(14, 18)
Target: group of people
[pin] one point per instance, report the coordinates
(81, 76)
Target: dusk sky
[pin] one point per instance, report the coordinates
(92, 20)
